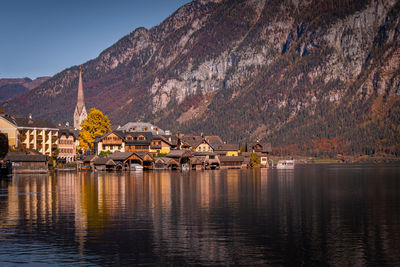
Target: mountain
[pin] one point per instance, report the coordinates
(12, 87)
(315, 76)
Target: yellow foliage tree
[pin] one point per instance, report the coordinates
(94, 125)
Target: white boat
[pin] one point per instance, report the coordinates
(285, 164)
(136, 167)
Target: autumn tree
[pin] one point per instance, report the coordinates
(94, 125)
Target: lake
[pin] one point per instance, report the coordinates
(312, 215)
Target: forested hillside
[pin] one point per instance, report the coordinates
(309, 76)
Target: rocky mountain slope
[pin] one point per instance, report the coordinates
(316, 76)
(13, 87)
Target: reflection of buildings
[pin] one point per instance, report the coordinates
(215, 217)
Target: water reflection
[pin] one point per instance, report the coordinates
(310, 215)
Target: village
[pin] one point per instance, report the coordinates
(37, 145)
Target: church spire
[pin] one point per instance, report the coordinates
(80, 109)
(81, 99)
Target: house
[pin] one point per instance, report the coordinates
(138, 141)
(161, 144)
(227, 149)
(213, 139)
(188, 142)
(142, 158)
(31, 134)
(88, 162)
(197, 162)
(141, 127)
(228, 162)
(209, 160)
(203, 146)
(125, 160)
(121, 159)
(162, 163)
(10, 128)
(25, 163)
(182, 157)
(257, 147)
(104, 164)
(262, 150)
(111, 141)
(67, 144)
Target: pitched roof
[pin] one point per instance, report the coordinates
(22, 157)
(265, 147)
(142, 154)
(178, 153)
(172, 139)
(104, 161)
(140, 127)
(147, 135)
(68, 131)
(119, 156)
(26, 122)
(230, 159)
(226, 147)
(214, 139)
(191, 140)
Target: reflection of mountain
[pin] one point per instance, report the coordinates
(244, 217)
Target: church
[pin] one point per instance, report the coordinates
(80, 109)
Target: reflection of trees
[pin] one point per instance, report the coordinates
(307, 215)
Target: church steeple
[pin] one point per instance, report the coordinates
(80, 109)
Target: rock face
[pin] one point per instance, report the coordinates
(292, 72)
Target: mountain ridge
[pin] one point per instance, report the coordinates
(293, 72)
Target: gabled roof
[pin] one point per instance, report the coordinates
(197, 159)
(226, 147)
(168, 139)
(142, 154)
(147, 135)
(120, 156)
(26, 122)
(205, 141)
(191, 140)
(104, 161)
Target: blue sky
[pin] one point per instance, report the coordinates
(43, 37)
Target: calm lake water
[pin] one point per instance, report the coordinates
(313, 215)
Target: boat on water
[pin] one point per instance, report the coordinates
(285, 164)
(136, 167)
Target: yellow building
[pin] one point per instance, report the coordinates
(204, 146)
(31, 134)
(10, 129)
(160, 144)
(231, 150)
